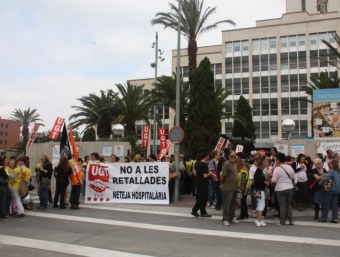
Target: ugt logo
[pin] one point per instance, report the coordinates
(98, 174)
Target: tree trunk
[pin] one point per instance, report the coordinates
(192, 55)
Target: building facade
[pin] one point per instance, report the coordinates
(268, 64)
(9, 134)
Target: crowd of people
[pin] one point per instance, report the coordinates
(276, 182)
(218, 179)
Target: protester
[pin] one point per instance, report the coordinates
(62, 174)
(229, 186)
(76, 178)
(202, 185)
(45, 174)
(244, 185)
(5, 195)
(282, 178)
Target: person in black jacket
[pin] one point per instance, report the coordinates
(62, 174)
(5, 195)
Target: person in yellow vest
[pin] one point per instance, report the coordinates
(76, 181)
(244, 185)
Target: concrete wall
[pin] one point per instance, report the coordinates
(84, 148)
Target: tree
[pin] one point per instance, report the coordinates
(239, 130)
(165, 93)
(89, 135)
(26, 118)
(193, 24)
(96, 111)
(334, 54)
(203, 126)
(133, 104)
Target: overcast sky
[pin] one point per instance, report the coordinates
(55, 51)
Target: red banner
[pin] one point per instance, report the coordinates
(163, 152)
(162, 138)
(220, 143)
(58, 125)
(145, 135)
(32, 136)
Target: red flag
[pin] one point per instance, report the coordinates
(220, 143)
(56, 128)
(162, 138)
(32, 136)
(145, 136)
(163, 152)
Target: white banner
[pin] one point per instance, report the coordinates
(144, 183)
(323, 147)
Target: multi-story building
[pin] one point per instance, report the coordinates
(269, 63)
(9, 134)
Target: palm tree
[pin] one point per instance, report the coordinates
(165, 93)
(334, 53)
(26, 118)
(193, 24)
(133, 103)
(96, 111)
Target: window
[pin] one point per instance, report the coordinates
(272, 62)
(256, 85)
(314, 61)
(245, 85)
(303, 107)
(284, 42)
(218, 68)
(237, 46)
(323, 58)
(237, 64)
(302, 60)
(5, 134)
(302, 40)
(228, 65)
(0, 142)
(264, 85)
(331, 38)
(265, 107)
(272, 42)
(264, 62)
(245, 64)
(303, 3)
(255, 44)
(256, 107)
(245, 45)
(237, 86)
(256, 63)
(5, 142)
(294, 83)
(293, 60)
(322, 36)
(284, 83)
(273, 84)
(264, 44)
(285, 106)
(273, 106)
(265, 129)
(229, 47)
(292, 41)
(312, 39)
(186, 71)
(284, 61)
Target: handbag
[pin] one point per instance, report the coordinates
(295, 188)
(23, 186)
(45, 183)
(173, 175)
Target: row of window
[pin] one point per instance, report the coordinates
(5, 142)
(286, 42)
(3, 133)
(2, 125)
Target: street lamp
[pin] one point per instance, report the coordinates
(118, 130)
(158, 56)
(288, 125)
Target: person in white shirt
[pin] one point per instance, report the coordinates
(281, 177)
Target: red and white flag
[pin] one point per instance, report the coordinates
(163, 152)
(162, 138)
(145, 136)
(58, 125)
(220, 143)
(32, 136)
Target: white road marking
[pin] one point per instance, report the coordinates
(62, 247)
(194, 231)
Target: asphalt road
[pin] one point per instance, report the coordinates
(145, 230)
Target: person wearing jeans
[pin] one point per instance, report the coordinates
(281, 177)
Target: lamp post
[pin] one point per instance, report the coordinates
(288, 125)
(118, 130)
(155, 66)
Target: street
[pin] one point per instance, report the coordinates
(157, 230)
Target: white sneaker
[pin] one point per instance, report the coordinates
(263, 223)
(257, 223)
(225, 223)
(234, 221)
